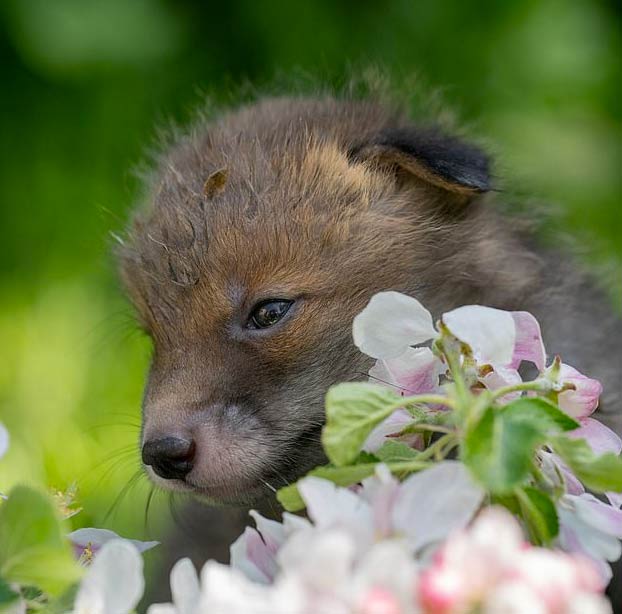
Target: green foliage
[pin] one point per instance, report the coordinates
(499, 449)
(395, 451)
(33, 547)
(600, 473)
(538, 511)
(7, 594)
(352, 412)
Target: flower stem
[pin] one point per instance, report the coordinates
(430, 399)
(538, 384)
(435, 449)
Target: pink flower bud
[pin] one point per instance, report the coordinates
(442, 589)
(583, 400)
(379, 601)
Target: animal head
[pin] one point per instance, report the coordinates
(264, 234)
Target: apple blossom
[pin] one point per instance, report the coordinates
(391, 323)
(88, 542)
(114, 582)
(490, 568)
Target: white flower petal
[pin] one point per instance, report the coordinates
(114, 582)
(227, 591)
(381, 491)
(293, 523)
(390, 323)
(4, 440)
(330, 506)
(514, 597)
(185, 587)
(434, 502)
(490, 333)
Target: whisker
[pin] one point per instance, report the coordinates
(152, 492)
(122, 494)
(270, 487)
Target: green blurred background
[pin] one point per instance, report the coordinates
(86, 82)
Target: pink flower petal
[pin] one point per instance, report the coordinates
(415, 371)
(272, 532)
(600, 437)
(551, 464)
(528, 345)
(251, 556)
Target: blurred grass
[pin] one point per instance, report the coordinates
(84, 83)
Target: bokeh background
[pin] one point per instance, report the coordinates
(85, 84)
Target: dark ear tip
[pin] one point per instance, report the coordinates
(454, 161)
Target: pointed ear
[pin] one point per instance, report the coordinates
(426, 153)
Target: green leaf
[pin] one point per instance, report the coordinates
(541, 412)
(500, 448)
(538, 511)
(33, 548)
(499, 451)
(352, 412)
(7, 594)
(599, 473)
(392, 451)
(290, 498)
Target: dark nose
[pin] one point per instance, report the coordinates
(170, 457)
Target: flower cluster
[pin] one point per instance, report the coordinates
(373, 551)
(493, 344)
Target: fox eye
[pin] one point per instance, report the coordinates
(268, 313)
